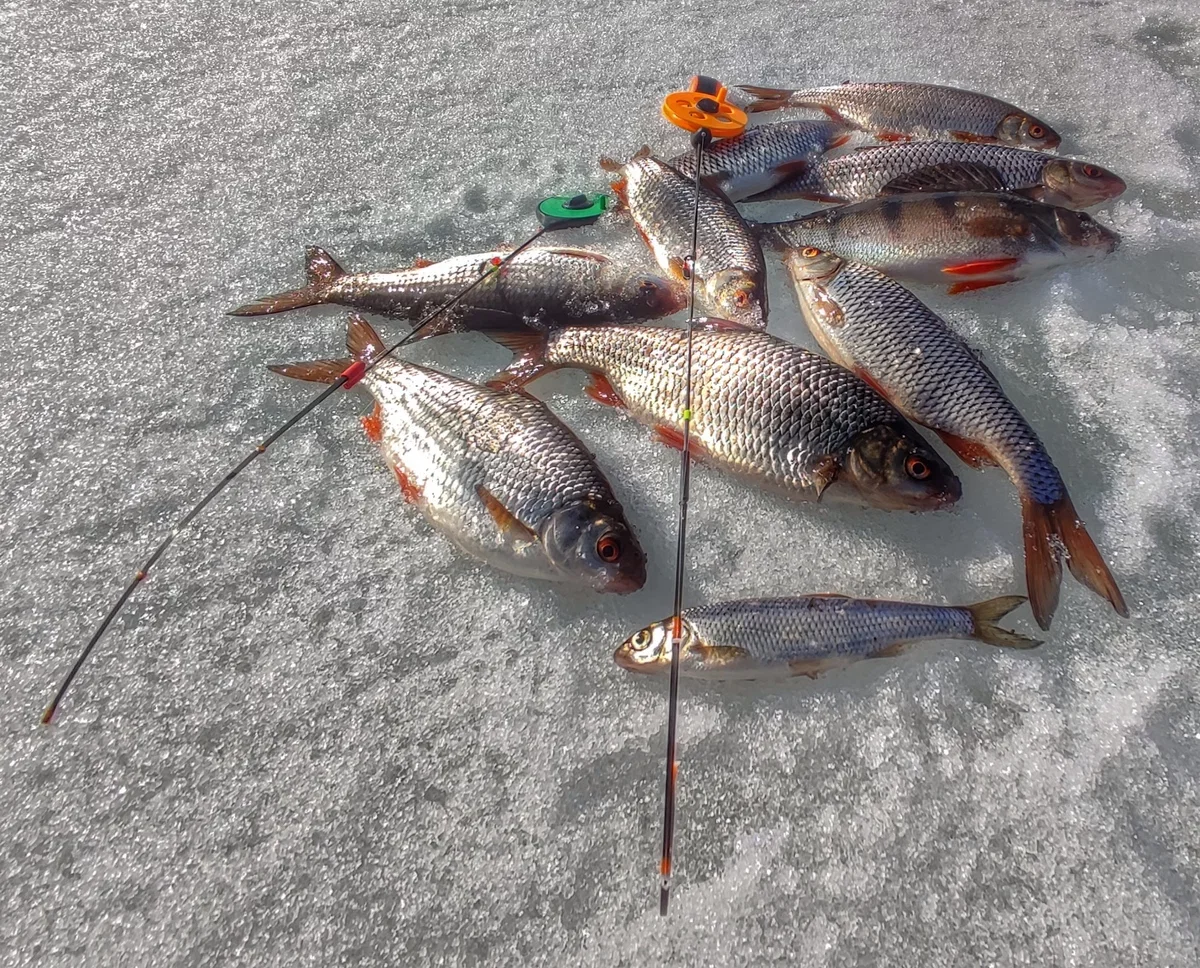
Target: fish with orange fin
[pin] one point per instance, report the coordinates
(576, 285)
(807, 635)
(877, 328)
(963, 240)
(731, 274)
(763, 409)
(904, 110)
(763, 156)
(495, 472)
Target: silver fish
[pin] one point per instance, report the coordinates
(807, 635)
(762, 409)
(730, 270)
(898, 110)
(949, 166)
(763, 156)
(967, 240)
(877, 328)
(497, 473)
(566, 284)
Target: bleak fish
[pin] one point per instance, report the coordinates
(497, 473)
(763, 156)
(902, 110)
(565, 284)
(807, 635)
(967, 240)
(730, 271)
(877, 328)
(762, 409)
(949, 166)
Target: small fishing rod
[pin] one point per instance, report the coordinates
(556, 212)
(702, 110)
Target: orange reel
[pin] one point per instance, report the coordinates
(703, 107)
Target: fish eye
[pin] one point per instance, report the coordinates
(642, 639)
(811, 252)
(608, 548)
(1091, 171)
(917, 469)
(740, 298)
(1036, 131)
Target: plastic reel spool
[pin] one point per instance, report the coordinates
(559, 211)
(703, 107)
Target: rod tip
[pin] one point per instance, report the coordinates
(664, 899)
(48, 714)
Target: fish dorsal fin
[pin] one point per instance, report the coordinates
(643, 152)
(579, 253)
(322, 268)
(712, 324)
(361, 339)
(950, 176)
(510, 527)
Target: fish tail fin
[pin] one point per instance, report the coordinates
(528, 346)
(323, 271)
(610, 164)
(985, 615)
(766, 98)
(1053, 531)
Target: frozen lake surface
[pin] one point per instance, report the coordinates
(320, 736)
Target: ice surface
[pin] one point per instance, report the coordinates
(319, 736)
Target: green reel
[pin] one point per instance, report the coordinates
(559, 211)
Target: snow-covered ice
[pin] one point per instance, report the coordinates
(320, 736)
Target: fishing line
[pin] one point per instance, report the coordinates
(553, 213)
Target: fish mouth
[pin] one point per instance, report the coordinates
(624, 584)
(623, 657)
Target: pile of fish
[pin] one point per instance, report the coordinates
(931, 185)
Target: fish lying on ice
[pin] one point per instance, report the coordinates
(730, 272)
(763, 409)
(807, 635)
(763, 157)
(497, 473)
(949, 166)
(966, 240)
(877, 328)
(574, 285)
(899, 110)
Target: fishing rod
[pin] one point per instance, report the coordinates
(556, 212)
(702, 110)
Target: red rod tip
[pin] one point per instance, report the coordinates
(48, 715)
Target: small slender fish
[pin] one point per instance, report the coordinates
(566, 284)
(497, 473)
(763, 156)
(966, 240)
(901, 110)
(763, 409)
(730, 271)
(877, 328)
(758, 638)
(949, 166)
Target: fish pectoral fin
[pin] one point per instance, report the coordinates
(951, 176)
(969, 451)
(971, 137)
(713, 324)
(373, 424)
(422, 263)
(602, 391)
(824, 474)
(979, 267)
(581, 254)
(677, 266)
(960, 287)
(673, 437)
(812, 668)
(716, 657)
(412, 493)
(510, 527)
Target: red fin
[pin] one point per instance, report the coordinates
(870, 381)
(969, 451)
(610, 164)
(314, 371)
(892, 136)
(792, 169)
(837, 142)
(506, 521)
(673, 438)
(423, 263)
(813, 668)
(980, 267)
(581, 254)
(412, 493)
(677, 266)
(960, 287)
(972, 137)
(601, 390)
(373, 424)
(1052, 531)
(323, 271)
(714, 324)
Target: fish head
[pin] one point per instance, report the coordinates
(893, 468)
(1025, 131)
(808, 263)
(738, 295)
(649, 297)
(595, 547)
(648, 650)
(1080, 230)
(1078, 184)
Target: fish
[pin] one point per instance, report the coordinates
(495, 472)
(880, 330)
(762, 157)
(762, 409)
(964, 240)
(903, 110)
(949, 166)
(575, 285)
(807, 635)
(731, 273)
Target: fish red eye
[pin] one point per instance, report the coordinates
(608, 548)
(811, 252)
(1036, 131)
(1091, 171)
(917, 469)
(741, 297)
